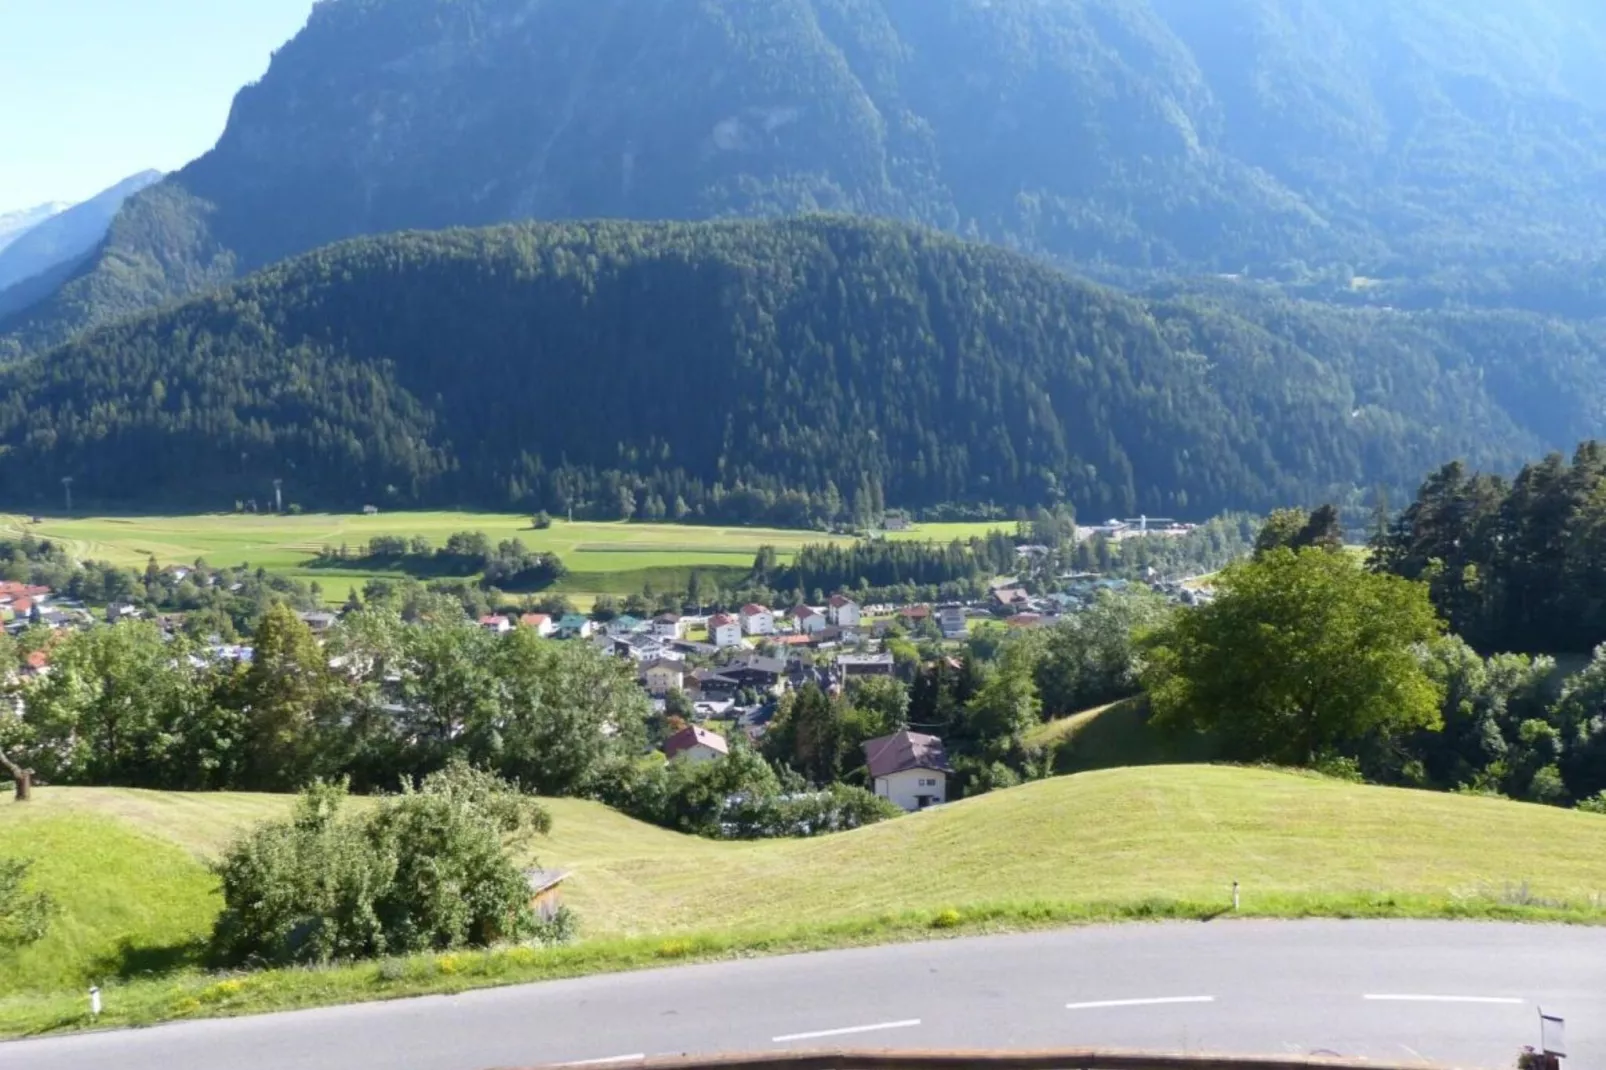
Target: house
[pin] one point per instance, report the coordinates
(663, 675)
(807, 620)
(897, 522)
(496, 624)
(951, 619)
(757, 620)
(118, 611)
(914, 614)
(574, 626)
(759, 673)
(861, 666)
(626, 625)
(712, 686)
(319, 621)
(540, 622)
(724, 631)
(910, 769)
(695, 744)
(1026, 620)
(843, 611)
(546, 891)
(667, 625)
(1011, 600)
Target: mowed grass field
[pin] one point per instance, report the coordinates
(129, 867)
(611, 558)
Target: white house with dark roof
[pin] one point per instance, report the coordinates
(843, 611)
(910, 769)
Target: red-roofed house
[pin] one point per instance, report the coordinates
(910, 769)
(757, 620)
(844, 611)
(724, 631)
(807, 619)
(695, 744)
(540, 622)
(498, 624)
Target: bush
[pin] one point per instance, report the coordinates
(428, 871)
(1595, 804)
(24, 915)
(947, 919)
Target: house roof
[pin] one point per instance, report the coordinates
(862, 660)
(544, 880)
(692, 736)
(753, 609)
(803, 612)
(722, 620)
(915, 612)
(535, 620)
(903, 751)
(493, 621)
(665, 663)
(773, 666)
(667, 618)
(840, 600)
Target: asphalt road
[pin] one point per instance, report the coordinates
(1459, 994)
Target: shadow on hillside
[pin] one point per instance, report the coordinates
(1122, 736)
(131, 960)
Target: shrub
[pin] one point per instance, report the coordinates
(947, 919)
(24, 915)
(428, 871)
(1595, 804)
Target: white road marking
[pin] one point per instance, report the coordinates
(1097, 1004)
(1447, 999)
(905, 1024)
(611, 1060)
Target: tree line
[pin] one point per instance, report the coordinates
(1516, 564)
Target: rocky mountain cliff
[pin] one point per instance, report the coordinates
(1131, 137)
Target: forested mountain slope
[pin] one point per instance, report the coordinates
(66, 236)
(1279, 136)
(743, 370)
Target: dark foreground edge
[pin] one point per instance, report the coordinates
(1072, 1059)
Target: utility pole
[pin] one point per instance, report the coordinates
(278, 496)
(66, 486)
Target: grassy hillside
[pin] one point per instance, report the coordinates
(1183, 832)
(128, 868)
(612, 558)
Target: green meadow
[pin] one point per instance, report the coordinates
(602, 558)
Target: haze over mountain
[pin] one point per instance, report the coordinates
(65, 236)
(15, 224)
(781, 371)
(1295, 138)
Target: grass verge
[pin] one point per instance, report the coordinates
(197, 995)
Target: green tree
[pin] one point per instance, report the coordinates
(1007, 705)
(1299, 653)
(289, 696)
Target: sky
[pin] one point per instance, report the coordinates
(92, 91)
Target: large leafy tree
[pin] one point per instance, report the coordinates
(1299, 653)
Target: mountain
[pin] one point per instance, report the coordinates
(65, 236)
(15, 224)
(782, 371)
(1286, 138)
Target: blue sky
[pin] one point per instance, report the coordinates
(92, 91)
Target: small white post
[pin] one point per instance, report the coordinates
(94, 1000)
(1234, 895)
